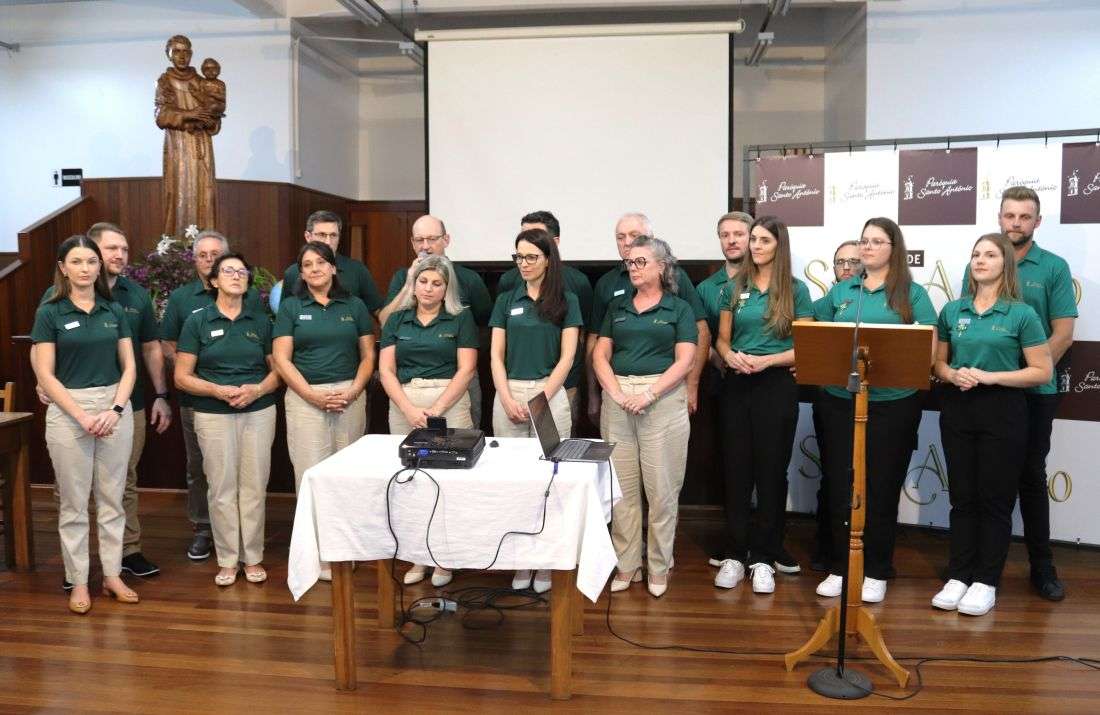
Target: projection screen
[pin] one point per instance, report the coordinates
(588, 128)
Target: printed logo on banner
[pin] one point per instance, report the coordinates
(1079, 382)
(792, 188)
(936, 187)
(915, 259)
(1081, 183)
(1029, 181)
(860, 191)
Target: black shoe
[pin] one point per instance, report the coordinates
(138, 565)
(199, 550)
(1047, 584)
(65, 585)
(785, 563)
(822, 561)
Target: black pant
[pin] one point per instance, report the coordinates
(760, 412)
(984, 433)
(825, 545)
(1034, 505)
(891, 438)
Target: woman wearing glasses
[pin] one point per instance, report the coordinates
(429, 353)
(885, 294)
(645, 350)
(223, 359)
(535, 332)
(992, 346)
(760, 400)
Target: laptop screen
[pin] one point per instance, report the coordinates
(543, 422)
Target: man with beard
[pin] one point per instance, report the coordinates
(1047, 286)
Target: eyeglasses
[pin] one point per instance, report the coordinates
(527, 258)
(847, 263)
(874, 243)
(229, 272)
(638, 263)
(426, 240)
(325, 236)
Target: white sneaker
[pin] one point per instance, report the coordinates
(763, 578)
(542, 581)
(979, 599)
(949, 596)
(441, 576)
(415, 575)
(830, 587)
(729, 574)
(874, 590)
(521, 580)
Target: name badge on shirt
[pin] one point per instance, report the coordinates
(74, 324)
(517, 311)
(618, 292)
(745, 296)
(196, 310)
(217, 333)
(305, 317)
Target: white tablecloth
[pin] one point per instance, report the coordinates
(341, 513)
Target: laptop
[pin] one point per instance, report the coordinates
(571, 450)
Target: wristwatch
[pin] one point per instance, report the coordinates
(118, 408)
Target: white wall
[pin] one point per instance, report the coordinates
(943, 67)
(75, 96)
(328, 102)
(391, 138)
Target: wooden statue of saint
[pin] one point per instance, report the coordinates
(189, 109)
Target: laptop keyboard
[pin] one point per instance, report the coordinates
(571, 449)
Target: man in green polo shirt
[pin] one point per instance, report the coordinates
(616, 282)
(183, 301)
(138, 310)
(430, 238)
(577, 283)
(1047, 286)
(326, 227)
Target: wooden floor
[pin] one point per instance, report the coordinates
(191, 646)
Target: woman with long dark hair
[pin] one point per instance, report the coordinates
(760, 401)
(536, 327)
(84, 362)
(992, 346)
(883, 293)
(223, 360)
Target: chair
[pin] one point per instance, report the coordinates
(7, 397)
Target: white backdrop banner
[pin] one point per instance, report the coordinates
(929, 188)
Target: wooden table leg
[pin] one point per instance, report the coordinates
(343, 624)
(564, 584)
(578, 613)
(17, 502)
(385, 593)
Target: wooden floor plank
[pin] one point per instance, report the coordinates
(191, 646)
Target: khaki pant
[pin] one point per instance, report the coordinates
(424, 393)
(313, 434)
(198, 511)
(522, 391)
(85, 464)
(650, 451)
(236, 455)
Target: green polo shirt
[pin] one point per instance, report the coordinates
(710, 292)
(533, 344)
(190, 298)
(1047, 287)
(326, 337)
(616, 282)
(354, 277)
(839, 306)
(229, 352)
(86, 344)
(138, 309)
(471, 291)
(577, 282)
(645, 343)
(750, 332)
(993, 340)
(428, 351)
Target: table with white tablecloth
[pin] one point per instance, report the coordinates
(351, 508)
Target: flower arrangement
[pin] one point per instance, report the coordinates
(171, 264)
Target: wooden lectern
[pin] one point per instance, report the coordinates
(888, 356)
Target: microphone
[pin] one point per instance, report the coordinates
(853, 374)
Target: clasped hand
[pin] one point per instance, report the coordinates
(745, 363)
(965, 378)
(634, 404)
(332, 400)
(100, 425)
(238, 397)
